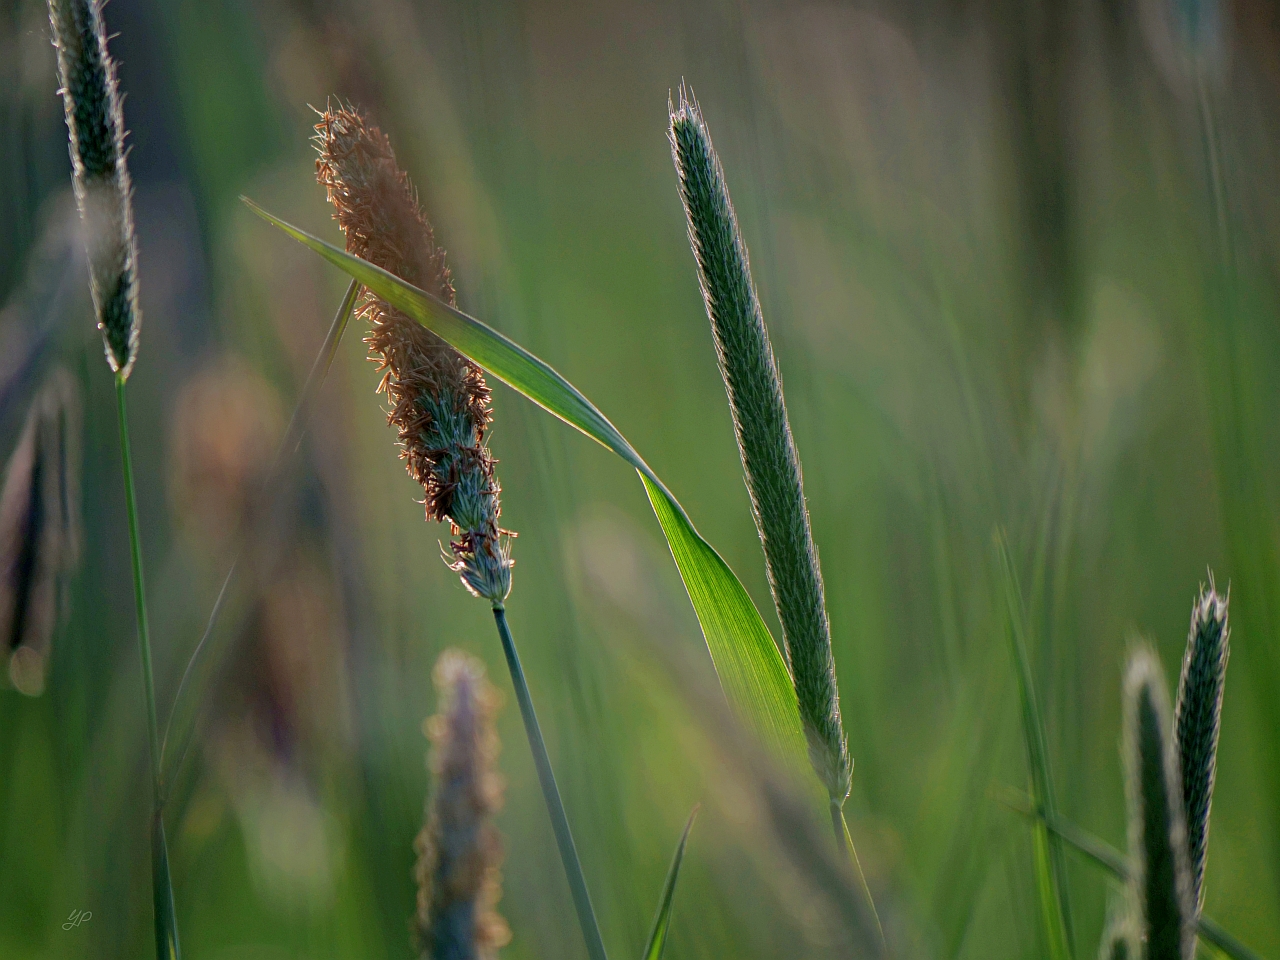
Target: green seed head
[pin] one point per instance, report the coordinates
(1157, 829)
(91, 97)
(769, 458)
(1197, 719)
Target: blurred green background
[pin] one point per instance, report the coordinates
(984, 243)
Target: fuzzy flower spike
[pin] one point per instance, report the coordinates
(459, 849)
(104, 194)
(439, 400)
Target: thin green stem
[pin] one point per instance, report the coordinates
(166, 925)
(139, 588)
(551, 793)
(844, 840)
(289, 444)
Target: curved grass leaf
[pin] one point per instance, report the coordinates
(662, 922)
(751, 670)
(1049, 865)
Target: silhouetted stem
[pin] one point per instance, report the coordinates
(845, 842)
(166, 926)
(551, 793)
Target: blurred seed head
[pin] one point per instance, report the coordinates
(1162, 890)
(40, 530)
(459, 849)
(91, 97)
(440, 403)
(1197, 720)
(226, 423)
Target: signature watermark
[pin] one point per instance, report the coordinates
(77, 917)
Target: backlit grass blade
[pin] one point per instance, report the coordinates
(662, 922)
(1049, 864)
(751, 669)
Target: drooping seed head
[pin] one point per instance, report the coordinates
(769, 458)
(459, 849)
(440, 402)
(1197, 719)
(1162, 890)
(91, 98)
(39, 530)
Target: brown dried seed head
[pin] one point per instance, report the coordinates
(377, 208)
(440, 402)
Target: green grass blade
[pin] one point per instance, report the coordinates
(1103, 855)
(751, 669)
(1049, 862)
(662, 922)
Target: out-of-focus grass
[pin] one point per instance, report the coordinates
(936, 386)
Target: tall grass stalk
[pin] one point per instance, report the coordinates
(551, 793)
(166, 927)
(770, 461)
(100, 177)
(440, 406)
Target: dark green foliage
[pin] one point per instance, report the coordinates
(769, 456)
(1157, 833)
(1197, 720)
(95, 123)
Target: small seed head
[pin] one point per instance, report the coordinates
(459, 849)
(95, 123)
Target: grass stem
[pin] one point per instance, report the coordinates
(844, 840)
(166, 926)
(289, 444)
(551, 793)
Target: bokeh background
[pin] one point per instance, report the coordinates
(1000, 299)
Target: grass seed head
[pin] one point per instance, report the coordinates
(440, 402)
(459, 849)
(91, 97)
(1157, 828)
(1197, 719)
(39, 530)
(769, 458)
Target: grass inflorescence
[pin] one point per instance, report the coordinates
(40, 530)
(459, 849)
(770, 462)
(95, 123)
(439, 399)
(1162, 892)
(1197, 721)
